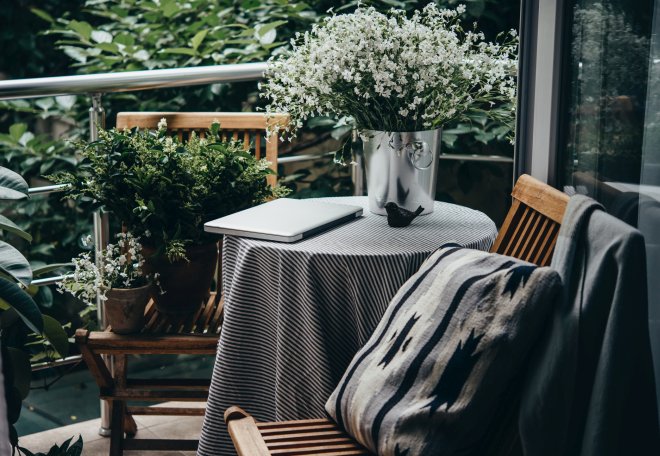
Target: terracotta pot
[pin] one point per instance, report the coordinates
(124, 308)
(186, 284)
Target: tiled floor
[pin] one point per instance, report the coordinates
(149, 427)
(74, 397)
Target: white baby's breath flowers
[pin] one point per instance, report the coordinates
(120, 267)
(389, 72)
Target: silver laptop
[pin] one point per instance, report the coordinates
(284, 219)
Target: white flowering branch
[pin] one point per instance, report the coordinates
(390, 72)
(120, 267)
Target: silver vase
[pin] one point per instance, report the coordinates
(402, 167)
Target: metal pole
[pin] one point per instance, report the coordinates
(96, 121)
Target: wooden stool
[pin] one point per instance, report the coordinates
(195, 334)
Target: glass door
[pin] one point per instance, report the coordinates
(609, 142)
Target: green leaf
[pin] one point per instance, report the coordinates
(169, 7)
(42, 14)
(12, 185)
(82, 28)
(14, 404)
(41, 270)
(20, 363)
(13, 263)
(17, 130)
(44, 297)
(23, 304)
(198, 38)
(56, 335)
(8, 225)
(125, 39)
(268, 27)
(186, 51)
(108, 47)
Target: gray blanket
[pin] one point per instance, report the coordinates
(592, 391)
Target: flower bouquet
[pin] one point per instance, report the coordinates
(400, 79)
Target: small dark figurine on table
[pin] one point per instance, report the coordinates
(399, 217)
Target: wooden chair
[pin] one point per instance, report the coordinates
(530, 229)
(195, 334)
(529, 233)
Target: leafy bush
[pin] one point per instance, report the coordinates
(25, 331)
(164, 189)
(56, 226)
(66, 449)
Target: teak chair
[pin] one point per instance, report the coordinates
(530, 229)
(529, 233)
(195, 334)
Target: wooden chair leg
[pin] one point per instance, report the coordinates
(130, 426)
(117, 426)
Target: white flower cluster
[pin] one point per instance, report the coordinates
(120, 267)
(390, 72)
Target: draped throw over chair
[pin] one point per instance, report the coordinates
(529, 233)
(106, 353)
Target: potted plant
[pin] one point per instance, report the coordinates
(163, 190)
(400, 79)
(118, 280)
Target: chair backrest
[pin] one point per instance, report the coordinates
(249, 127)
(530, 229)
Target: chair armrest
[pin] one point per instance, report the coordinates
(244, 433)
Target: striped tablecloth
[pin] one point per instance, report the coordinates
(295, 314)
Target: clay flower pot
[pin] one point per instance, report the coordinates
(186, 284)
(124, 308)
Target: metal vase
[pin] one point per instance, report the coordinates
(401, 167)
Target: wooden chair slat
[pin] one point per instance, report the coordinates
(512, 242)
(246, 140)
(530, 218)
(297, 429)
(315, 449)
(534, 245)
(550, 249)
(322, 442)
(257, 145)
(284, 424)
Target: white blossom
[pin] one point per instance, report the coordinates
(120, 266)
(389, 71)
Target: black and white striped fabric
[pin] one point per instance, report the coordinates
(433, 377)
(295, 314)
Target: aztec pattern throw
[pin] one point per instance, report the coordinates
(432, 376)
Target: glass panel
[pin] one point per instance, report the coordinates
(612, 130)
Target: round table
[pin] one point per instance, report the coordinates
(296, 314)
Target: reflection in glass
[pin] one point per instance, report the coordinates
(612, 130)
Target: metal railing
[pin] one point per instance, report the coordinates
(130, 81)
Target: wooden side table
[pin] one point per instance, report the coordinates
(195, 334)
